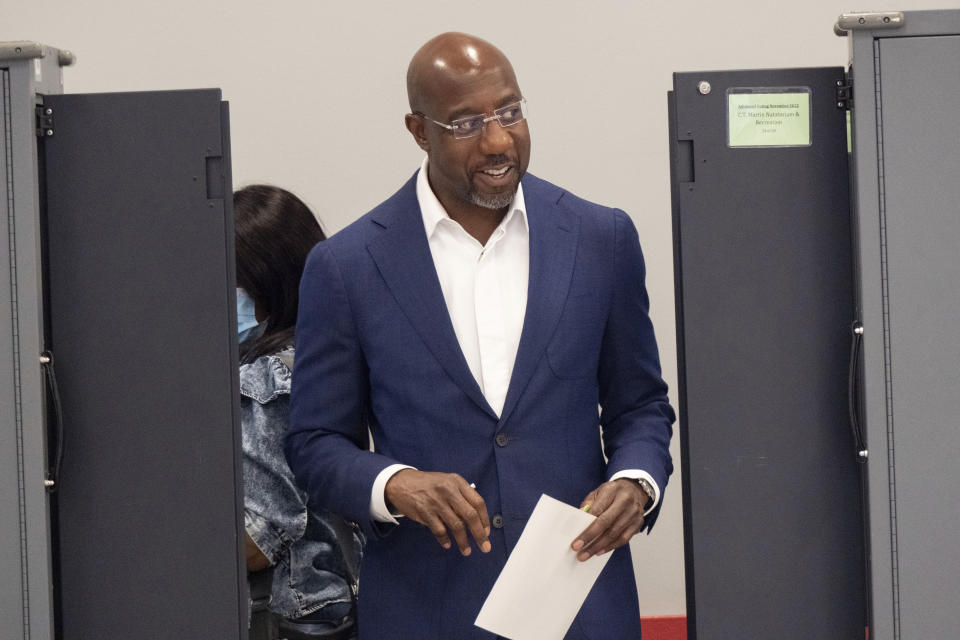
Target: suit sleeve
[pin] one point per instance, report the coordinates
(327, 445)
(636, 416)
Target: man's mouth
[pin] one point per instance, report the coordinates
(496, 172)
(497, 176)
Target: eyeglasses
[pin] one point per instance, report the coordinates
(472, 126)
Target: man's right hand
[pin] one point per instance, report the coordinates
(445, 503)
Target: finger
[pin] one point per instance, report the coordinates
(456, 527)
(617, 537)
(462, 516)
(623, 519)
(587, 503)
(620, 531)
(614, 542)
(479, 505)
(437, 528)
(603, 496)
(596, 529)
(469, 512)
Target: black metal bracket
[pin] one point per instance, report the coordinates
(844, 94)
(44, 121)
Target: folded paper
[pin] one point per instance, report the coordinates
(543, 585)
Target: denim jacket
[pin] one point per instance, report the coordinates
(310, 575)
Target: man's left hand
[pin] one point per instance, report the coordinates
(619, 507)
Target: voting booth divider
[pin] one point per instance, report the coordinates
(120, 482)
(816, 235)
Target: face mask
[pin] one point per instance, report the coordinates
(246, 314)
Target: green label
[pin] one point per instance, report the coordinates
(768, 119)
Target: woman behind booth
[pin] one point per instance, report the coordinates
(313, 555)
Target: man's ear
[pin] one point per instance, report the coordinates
(415, 125)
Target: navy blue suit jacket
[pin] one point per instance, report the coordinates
(376, 349)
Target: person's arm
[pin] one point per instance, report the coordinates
(256, 561)
(636, 416)
(327, 443)
(274, 512)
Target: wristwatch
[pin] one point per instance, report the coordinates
(647, 489)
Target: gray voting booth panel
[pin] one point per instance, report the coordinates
(907, 176)
(765, 302)
(25, 594)
(148, 511)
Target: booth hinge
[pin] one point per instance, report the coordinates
(844, 94)
(44, 121)
(868, 20)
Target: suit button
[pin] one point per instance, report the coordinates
(498, 521)
(501, 439)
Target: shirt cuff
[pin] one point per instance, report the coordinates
(378, 497)
(637, 474)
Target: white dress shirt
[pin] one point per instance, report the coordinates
(485, 290)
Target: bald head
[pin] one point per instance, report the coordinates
(448, 61)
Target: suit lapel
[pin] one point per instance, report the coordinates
(402, 255)
(554, 233)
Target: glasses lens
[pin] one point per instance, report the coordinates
(467, 127)
(510, 114)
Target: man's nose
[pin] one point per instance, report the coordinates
(494, 138)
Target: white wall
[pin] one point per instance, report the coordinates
(317, 98)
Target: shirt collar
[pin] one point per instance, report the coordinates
(433, 212)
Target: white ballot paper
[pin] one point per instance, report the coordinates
(542, 586)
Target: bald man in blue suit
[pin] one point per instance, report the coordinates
(473, 323)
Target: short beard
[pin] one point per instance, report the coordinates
(496, 201)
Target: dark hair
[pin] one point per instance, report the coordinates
(275, 232)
